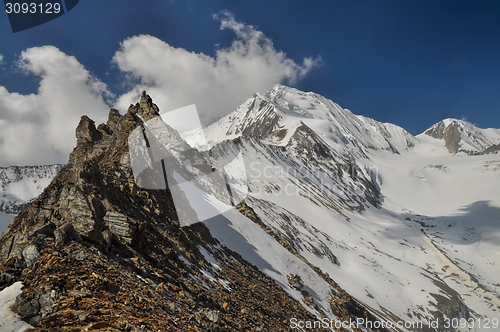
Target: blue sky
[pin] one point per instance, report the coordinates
(411, 63)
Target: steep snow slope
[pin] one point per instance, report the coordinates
(400, 223)
(339, 127)
(456, 203)
(405, 227)
(240, 234)
(375, 255)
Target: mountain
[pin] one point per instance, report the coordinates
(282, 110)
(462, 136)
(20, 184)
(342, 217)
(394, 219)
(96, 251)
(390, 232)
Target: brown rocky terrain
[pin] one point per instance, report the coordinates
(97, 253)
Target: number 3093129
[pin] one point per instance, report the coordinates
(33, 8)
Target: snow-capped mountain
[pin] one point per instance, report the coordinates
(282, 110)
(462, 136)
(347, 215)
(407, 236)
(95, 238)
(20, 184)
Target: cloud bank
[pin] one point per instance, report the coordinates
(175, 77)
(40, 128)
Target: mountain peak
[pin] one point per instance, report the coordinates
(287, 108)
(449, 121)
(147, 110)
(463, 136)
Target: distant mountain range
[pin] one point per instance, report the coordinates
(21, 184)
(345, 218)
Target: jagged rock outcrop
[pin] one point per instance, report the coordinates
(96, 252)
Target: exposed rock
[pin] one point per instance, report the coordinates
(436, 131)
(295, 281)
(492, 149)
(31, 255)
(452, 138)
(66, 233)
(6, 279)
(213, 315)
(86, 132)
(147, 109)
(33, 307)
(450, 134)
(120, 225)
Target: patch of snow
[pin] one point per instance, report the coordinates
(9, 321)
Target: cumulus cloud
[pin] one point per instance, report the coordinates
(40, 128)
(1, 58)
(175, 77)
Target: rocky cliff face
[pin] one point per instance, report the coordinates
(450, 134)
(94, 251)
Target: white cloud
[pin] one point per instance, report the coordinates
(1, 58)
(40, 128)
(175, 77)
